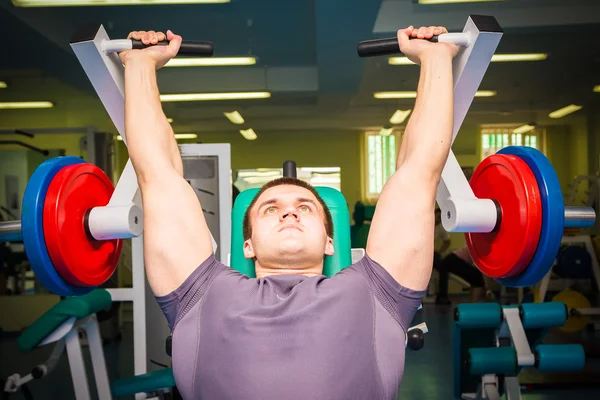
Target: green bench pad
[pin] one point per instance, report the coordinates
(153, 381)
(79, 307)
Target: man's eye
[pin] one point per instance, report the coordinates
(270, 210)
(304, 208)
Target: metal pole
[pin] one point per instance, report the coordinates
(579, 217)
(10, 227)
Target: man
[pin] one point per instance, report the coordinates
(290, 333)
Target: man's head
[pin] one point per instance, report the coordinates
(287, 225)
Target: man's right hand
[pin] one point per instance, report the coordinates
(157, 55)
(417, 50)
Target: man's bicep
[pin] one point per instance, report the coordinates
(401, 234)
(176, 237)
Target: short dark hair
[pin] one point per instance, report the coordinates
(247, 227)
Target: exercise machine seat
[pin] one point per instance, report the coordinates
(147, 383)
(79, 307)
(340, 215)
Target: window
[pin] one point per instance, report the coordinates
(380, 162)
(494, 139)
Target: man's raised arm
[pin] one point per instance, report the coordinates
(401, 238)
(176, 237)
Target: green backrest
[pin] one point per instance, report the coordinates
(338, 207)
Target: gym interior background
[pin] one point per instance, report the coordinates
(338, 116)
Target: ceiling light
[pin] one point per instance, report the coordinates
(248, 134)
(170, 120)
(495, 58)
(214, 96)
(597, 88)
(79, 3)
(399, 117)
(561, 112)
(395, 95)
(3, 85)
(454, 1)
(25, 104)
(519, 57)
(235, 117)
(177, 136)
(210, 61)
(412, 95)
(524, 129)
(385, 131)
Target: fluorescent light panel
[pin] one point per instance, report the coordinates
(177, 136)
(413, 95)
(524, 129)
(386, 131)
(210, 62)
(399, 116)
(495, 58)
(248, 134)
(235, 117)
(561, 112)
(3, 85)
(455, 1)
(79, 3)
(213, 96)
(13, 105)
(597, 88)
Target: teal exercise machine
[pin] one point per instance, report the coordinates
(493, 343)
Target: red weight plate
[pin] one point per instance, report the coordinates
(508, 250)
(78, 258)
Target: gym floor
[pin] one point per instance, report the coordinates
(428, 372)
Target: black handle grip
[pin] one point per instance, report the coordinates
(383, 47)
(187, 48)
(289, 169)
(416, 339)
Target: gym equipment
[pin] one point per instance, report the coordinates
(497, 220)
(72, 226)
(579, 310)
(573, 262)
(506, 251)
(61, 325)
(58, 243)
(492, 343)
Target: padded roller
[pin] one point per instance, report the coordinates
(492, 360)
(559, 357)
(478, 315)
(543, 315)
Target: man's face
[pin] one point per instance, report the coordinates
(288, 228)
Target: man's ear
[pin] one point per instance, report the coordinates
(329, 247)
(248, 249)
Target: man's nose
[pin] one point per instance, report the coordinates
(290, 211)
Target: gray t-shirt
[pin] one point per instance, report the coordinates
(289, 336)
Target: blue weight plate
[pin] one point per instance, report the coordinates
(553, 217)
(33, 230)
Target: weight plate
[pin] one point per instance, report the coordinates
(79, 258)
(507, 250)
(573, 300)
(574, 262)
(553, 217)
(33, 230)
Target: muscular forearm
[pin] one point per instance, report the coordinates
(428, 135)
(150, 140)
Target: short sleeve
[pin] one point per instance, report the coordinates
(401, 302)
(177, 303)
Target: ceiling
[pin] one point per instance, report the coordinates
(307, 59)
